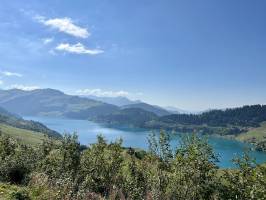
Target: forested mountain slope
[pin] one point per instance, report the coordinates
(150, 108)
(231, 121)
(242, 116)
(51, 102)
(128, 116)
(6, 118)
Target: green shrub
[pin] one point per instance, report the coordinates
(65, 170)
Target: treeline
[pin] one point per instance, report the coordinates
(68, 170)
(129, 116)
(246, 116)
(231, 121)
(18, 122)
(223, 122)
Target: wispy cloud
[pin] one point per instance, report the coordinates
(77, 49)
(7, 73)
(24, 87)
(1, 82)
(102, 93)
(65, 25)
(47, 40)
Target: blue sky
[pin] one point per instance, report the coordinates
(190, 54)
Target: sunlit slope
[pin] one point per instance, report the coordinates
(255, 134)
(25, 136)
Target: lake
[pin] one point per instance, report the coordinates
(132, 137)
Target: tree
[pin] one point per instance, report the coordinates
(193, 171)
(100, 167)
(246, 182)
(16, 160)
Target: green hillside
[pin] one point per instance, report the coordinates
(16, 121)
(255, 136)
(25, 136)
(51, 102)
(128, 116)
(150, 108)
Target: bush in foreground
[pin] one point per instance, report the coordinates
(66, 170)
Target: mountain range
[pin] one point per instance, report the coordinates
(117, 101)
(50, 102)
(150, 108)
(124, 102)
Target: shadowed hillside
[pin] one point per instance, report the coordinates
(11, 123)
(51, 102)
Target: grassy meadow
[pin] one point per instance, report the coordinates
(23, 135)
(254, 135)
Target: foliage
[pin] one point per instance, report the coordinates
(13, 192)
(193, 171)
(247, 116)
(223, 122)
(14, 121)
(256, 136)
(100, 166)
(16, 160)
(128, 116)
(248, 182)
(68, 170)
(24, 136)
(147, 107)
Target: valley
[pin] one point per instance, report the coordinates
(229, 123)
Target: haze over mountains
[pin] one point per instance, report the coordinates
(124, 102)
(150, 108)
(12, 120)
(52, 102)
(118, 101)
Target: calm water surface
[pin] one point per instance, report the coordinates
(132, 137)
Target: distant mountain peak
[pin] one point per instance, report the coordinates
(52, 102)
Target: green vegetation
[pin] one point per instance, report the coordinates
(150, 108)
(25, 136)
(255, 136)
(15, 121)
(53, 103)
(223, 122)
(66, 170)
(236, 118)
(128, 116)
(13, 192)
(246, 116)
(228, 123)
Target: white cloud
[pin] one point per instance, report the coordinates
(78, 49)
(1, 82)
(47, 40)
(7, 73)
(65, 25)
(102, 93)
(24, 87)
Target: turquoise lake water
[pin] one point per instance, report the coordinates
(132, 137)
